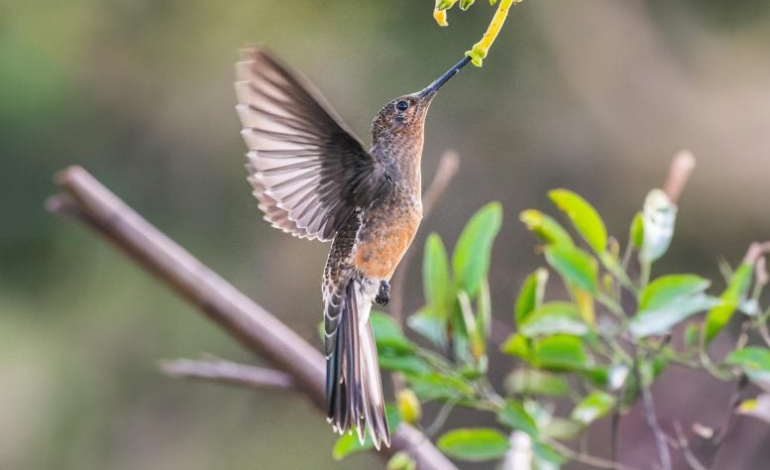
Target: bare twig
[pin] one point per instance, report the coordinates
(255, 328)
(614, 434)
(678, 173)
(760, 272)
(736, 397)
(446, 171)
(593, 461)
(684, 447)
(764, 332)
(222, 371)
(756, 250)
(652, 422)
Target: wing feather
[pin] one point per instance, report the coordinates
(307, 170)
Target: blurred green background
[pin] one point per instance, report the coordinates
(594, 95)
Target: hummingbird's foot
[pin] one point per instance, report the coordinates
(383, 296)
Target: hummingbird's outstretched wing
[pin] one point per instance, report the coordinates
(308, 171)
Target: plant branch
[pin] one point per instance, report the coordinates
(756, 250)
(228, 372)
(87, 201)
(615, 434)
(684, 447)
(593, 461)
(736, 397)
(679, 173)
(652, 422)
(764, 332)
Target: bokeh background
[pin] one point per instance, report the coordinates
(594, 95)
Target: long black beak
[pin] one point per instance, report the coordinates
(432, 89)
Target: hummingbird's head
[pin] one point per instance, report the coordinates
(405, 115)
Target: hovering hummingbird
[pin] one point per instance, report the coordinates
(314, 179)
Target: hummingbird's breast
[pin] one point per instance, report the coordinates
(387, 229)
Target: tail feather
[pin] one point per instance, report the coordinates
(354, 395)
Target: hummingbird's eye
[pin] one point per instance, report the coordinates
(402, 105)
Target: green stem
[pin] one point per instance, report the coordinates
(646, 268)
(612, 305)
(619, 273)
(712, 369)
(619, 351)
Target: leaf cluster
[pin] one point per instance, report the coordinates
(614, 333)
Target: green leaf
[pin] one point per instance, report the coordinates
(584, 302)
(560, 352)
(429, 325)
(516, 345)
(669, 300)
(474, 248)
(649, 371)
(515, 416)
(754, 362)
(436, 386)
(750, 359)
(409, 406)
(388, 334)
(535, 382)
(636, 237)
(659, 218)
(545, 227)
(476, 338)
(758, 408)
(593, 407)
(546, 457)
(348, 443)
(583, 216)
(666, 289)
(410, 365)
(401, 461)
(530, 295)
(484, 310)
(474, 444)
(736, 290)
(575, 265)
(691, 335)
(561, 429)
(611, 377)
(659, 321)
(435, 275)
(465, 4)
(553, 318)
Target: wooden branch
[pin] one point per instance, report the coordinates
(756, 251)
(87, 201)
(684, 447)
(590, 460)
(679, 172)
(228, 372)
(654, 425)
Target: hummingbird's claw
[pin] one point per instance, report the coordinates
(383, 296)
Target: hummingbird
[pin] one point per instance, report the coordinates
(314, 179)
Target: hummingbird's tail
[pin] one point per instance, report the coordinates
(354, 395)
